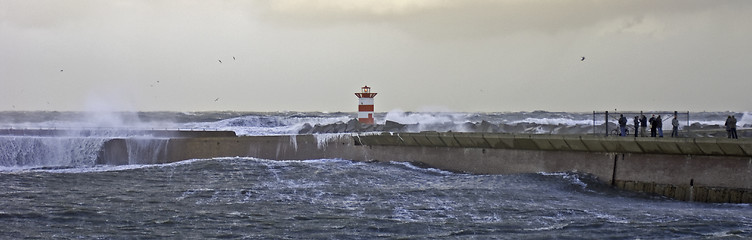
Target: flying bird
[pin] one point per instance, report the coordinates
(583, 59)
(61, 70)
(216, 99)
(233, 58)
(220, 61)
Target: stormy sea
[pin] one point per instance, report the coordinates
(53, 188)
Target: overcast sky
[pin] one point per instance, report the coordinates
(418, 55)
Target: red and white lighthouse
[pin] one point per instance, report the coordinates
(365, 105)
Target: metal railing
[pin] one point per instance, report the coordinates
(613, 117)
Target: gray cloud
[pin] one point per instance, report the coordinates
(470, 55)
(476, 18)
(44, 14)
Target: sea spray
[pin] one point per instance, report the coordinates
(25, 151)
(294, 141)
(438, 118)
(745, 121)
(146, 150)
(322, 140)
(556, 121)
(266, 124)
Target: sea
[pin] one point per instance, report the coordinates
(53, 189)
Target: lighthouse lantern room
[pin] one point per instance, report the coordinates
(365, 105)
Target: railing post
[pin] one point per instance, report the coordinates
(594, 132)
(606, 124)
(687, 126)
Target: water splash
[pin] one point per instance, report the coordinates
(745, 120)
(322, 140)
(146, 150)
(49, 151)
(294, 141)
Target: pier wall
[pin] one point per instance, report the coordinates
(705, 170)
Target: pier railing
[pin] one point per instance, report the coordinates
(604, 118)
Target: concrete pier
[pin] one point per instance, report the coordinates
(691, 169)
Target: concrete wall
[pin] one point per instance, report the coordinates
(677, 146)
(301, 147)
(695, 169)
(708, 170)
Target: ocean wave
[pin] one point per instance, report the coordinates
(572, 178)
(291, 123)
(75, 169)
(424, 169)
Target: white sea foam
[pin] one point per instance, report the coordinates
(553, 121)
(322, 140)
(745, 120)
(294, 142)
(570, 177)
(280, 162)
(78, 169)
(49, 151)
(420, 169)
(548, 227)
(97, 168)
(259, 125)
(608, 217)
(400, 116)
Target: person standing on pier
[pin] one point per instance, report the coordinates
(675, 129)
(733, 127)
(652, 126)
(636, 122)
(659, 122)
(622, 125)
(643, 125)
(728, 126)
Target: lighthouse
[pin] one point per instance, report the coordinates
(365, 105)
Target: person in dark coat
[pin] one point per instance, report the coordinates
(728, 126)
(643, 125)
(659, 127)
(636, 122)
(622, 125)
(652, 126)
(733, 127)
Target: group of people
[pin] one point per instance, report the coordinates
(656, 126)
(731, 127)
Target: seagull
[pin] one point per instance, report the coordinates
(220, 61)
(583, 59)
(216, 99)
(233, 58)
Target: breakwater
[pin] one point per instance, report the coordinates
(691, 169)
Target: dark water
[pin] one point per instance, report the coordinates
(239, 198)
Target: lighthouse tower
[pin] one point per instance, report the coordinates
(365, 105)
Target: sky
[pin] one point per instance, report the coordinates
(418, 55)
